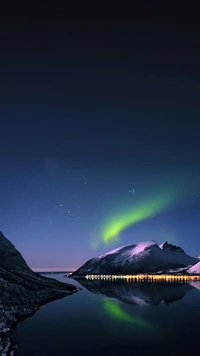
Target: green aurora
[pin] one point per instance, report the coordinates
(115, 311)
(136, 214)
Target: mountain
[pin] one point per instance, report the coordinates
(198, 256)
(142, 257)
(194, 269)
(10, 258)
(169, 247)
(141, 294)
(22, 290)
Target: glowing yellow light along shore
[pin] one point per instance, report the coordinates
(148, 277)
(148, 209)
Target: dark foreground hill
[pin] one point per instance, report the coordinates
(22, 290)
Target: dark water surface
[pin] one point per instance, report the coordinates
(119, 318)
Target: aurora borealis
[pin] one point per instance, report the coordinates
(100, 131)
(137, 214)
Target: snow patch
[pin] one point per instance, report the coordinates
(194, 269)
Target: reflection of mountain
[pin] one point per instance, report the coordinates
(142, 294)
(195, 284)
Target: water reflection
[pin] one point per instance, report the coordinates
(195, 284)
(117, 312)
(142, 294)
(114, 317)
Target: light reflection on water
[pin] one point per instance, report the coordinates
(106, 317)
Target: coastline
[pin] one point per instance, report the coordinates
(23, 295)
(7, 345)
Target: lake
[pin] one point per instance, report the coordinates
(120, 318)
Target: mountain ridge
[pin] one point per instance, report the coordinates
(141, 257)
(10, 258)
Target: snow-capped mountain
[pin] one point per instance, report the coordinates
(198, 256)
(142, 257)
(194, 269)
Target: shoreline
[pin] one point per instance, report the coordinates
(9, 325)
(22, 295)
(136, 277)
(7, 344)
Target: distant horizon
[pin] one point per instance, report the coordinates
(70, 269)
(53, 269)
(108, 250)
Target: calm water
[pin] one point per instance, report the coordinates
(115, 317)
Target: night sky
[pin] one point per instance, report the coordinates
(100, 114)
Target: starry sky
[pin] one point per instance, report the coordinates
(99, 111)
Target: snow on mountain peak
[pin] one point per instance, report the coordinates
(132, 248)
(194, 269)
(141, 257)
(141, 247)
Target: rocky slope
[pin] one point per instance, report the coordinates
(22, 290)
(142, 257)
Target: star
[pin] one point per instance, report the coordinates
(132, 191)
